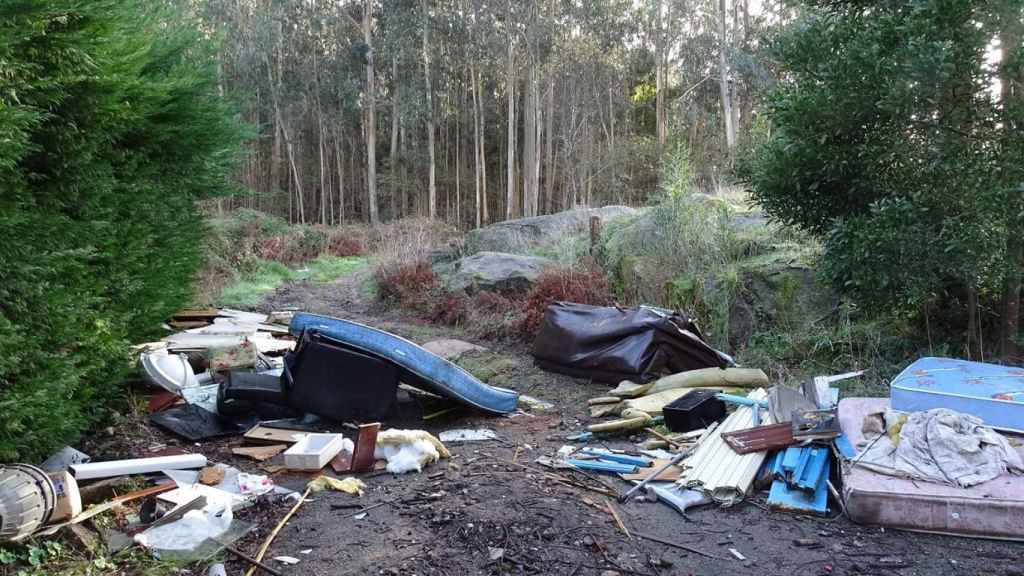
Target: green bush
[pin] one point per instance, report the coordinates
(888, 145)
(110, 128)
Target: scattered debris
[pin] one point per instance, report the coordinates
(348, 485)
(676, 496)
(289, 560)
(694, 410)
(716, 469)
(656, 473)
(259, 453)
(68, 502)
(760, 438)
(408, 450)
(464, 435)
(211, 475)
(737, 555)
(263, 433)
(709, 378)
(800, 479)
(136, 466)
(63, 459)
(314, 451)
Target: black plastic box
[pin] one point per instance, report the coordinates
(327, 378)
(248, 394)
(697, 409)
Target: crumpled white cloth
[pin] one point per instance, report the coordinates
(939, 445)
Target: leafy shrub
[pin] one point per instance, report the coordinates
(410, 285)
(349, 241)
(111, 127)
(583, 284)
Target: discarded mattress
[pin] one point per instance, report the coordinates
(417, 366)
(610, 344)
(992, 509)
(991, 392)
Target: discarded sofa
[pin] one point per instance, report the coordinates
(415, 365)
(610, 344)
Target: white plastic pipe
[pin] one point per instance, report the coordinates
(137, 466)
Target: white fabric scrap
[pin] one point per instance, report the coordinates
(939, 445)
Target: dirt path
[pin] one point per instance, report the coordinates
(480, 513)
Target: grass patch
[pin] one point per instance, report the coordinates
(486, 366)
(253, 286)
(329, 268)
(267, 275)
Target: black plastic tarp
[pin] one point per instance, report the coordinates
(609, 344)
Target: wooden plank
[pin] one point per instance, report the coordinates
(366, 443)
(671, 474)
(271, 435)
(259, 453)
(760, 438)
(96, 510)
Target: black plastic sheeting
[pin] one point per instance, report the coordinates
(194, 423)
(610, 344)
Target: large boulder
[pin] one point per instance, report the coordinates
(497, 272)
(529, 233)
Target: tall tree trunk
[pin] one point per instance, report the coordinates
(299, 203)
(341, 178)
(432, 210)
(371, 115)
(549, 144)
(393, 156)
(724, 84)
(1012, 96)
(485, 212)
(660, 80)
(476, 150)
(747, 101)
(510, 88)
(530, 139)
(460, 106)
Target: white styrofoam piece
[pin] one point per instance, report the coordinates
(313, 452)
(136, 466)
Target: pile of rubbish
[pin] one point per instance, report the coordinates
(286, 385)
(308, 394)
(721, 434)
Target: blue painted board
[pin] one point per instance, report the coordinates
(991, 392)
(603, 466)
(620, 458)
(418, 366)
(791, 459)
(846, 449)
(782, 497)
(806, 478)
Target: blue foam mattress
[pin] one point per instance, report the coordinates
(417, 366)
(991, 392)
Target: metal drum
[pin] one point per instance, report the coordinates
(27, 499)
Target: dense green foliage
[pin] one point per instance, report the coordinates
(111, 126)
(890, 141)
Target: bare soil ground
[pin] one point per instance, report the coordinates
(483, 512)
